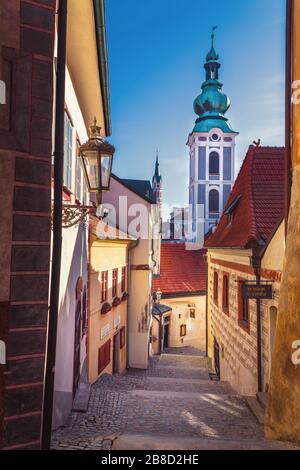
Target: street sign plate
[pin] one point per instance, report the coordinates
(257, 291)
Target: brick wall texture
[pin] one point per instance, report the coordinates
(26, 66)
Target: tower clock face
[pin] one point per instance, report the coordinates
(215, 137)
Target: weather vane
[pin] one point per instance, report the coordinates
(213, 33)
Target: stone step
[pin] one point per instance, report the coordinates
(262, 398)
(190, 384)
(82, 398)
(187, 395)
(256, 408)
(171, 442)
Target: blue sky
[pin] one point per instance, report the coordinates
(156, 55)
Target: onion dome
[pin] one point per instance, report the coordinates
(212, 104)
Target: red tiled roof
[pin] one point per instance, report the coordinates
(260, 185)
(181, 270)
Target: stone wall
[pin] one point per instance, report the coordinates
(238, 347)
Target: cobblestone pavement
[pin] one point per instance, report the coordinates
(174, 397)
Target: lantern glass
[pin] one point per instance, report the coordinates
(91, 169)
(106, 164)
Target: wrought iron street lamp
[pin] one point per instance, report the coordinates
(96, 158)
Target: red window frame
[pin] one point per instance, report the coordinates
(225, 293)
(114, 282)
(216, 287)
(104, 354)
(122, 337)
(243, 308)
(123, 283)
(104, 286)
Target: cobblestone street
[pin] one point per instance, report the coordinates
(173, 405)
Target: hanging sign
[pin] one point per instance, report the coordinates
(257, 291)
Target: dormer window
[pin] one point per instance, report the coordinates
(231, 209)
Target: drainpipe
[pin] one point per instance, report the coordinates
(130, 248)
(57, 226)
(288, 109)
(256, 264)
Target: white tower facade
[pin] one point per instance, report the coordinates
(212, 170)
(212, 152)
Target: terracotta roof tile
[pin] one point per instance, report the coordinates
(182, 270)
(260, 185)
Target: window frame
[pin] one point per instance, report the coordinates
(114, 282)
(216, 288)
(183, 331)
(242, 304)
(225, 293)
(68, 151)
(78, 176)
(213, 154)
(123, 279)
(104, 286)
(212, 209)
(122, 337)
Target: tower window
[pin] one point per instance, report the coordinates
(214, 163)
(213, 201)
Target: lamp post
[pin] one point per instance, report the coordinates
(96, 157)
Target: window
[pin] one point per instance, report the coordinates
(104, 356)
(104, 286)
(78, 184)
(68, 147)
(192, 313)
(114, 282)
(123, 284)
(225, 293)
(122, 337)
(183, 330)
(214, 163)
(243, 307)
(215, 137)
(213, 201)
(216, 287)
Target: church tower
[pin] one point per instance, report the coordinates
(212, 151)
(157, 183)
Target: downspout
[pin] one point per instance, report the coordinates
(256, 264)
(57, 226)
(288, 110)
(130, 248)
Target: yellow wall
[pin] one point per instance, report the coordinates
(105, 256)
(196, 336)
(283, 410)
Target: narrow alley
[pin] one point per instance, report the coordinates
(172, 405)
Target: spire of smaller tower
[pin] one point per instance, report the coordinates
(157, 171)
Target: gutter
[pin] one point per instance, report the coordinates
(57, 225)
(133, 245)
(288, 108)
(256, 264)
(100, 26)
